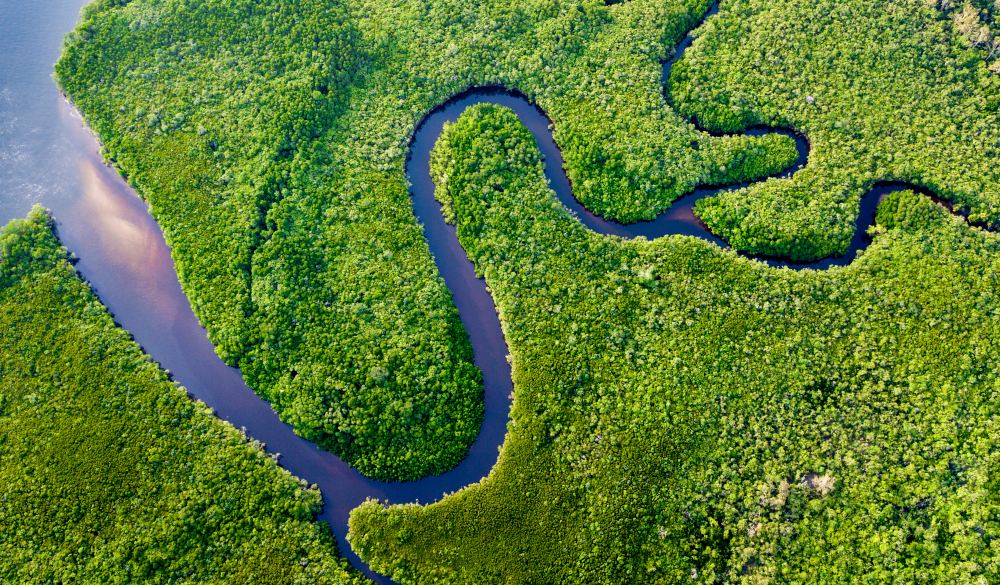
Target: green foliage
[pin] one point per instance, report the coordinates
(974, 21)
(683, 414)
(680, 413)
(202, 106)
(212, 111)
(883, 90)
(909, 210)
(109, 473)
(269, 138)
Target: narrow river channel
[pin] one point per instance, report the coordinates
(49, 157)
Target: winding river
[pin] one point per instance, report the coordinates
(123, 255)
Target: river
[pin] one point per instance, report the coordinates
(47, 156)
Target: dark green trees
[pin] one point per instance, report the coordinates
(683, 414)
(109, 473)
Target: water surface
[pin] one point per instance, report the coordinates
(38, 157)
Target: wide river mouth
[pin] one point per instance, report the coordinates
(48, 156)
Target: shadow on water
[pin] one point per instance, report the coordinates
(122, 253)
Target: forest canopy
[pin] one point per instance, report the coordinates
(884, 91)
(269, 139)
(681, 413)
(109, 472)
(701, 417)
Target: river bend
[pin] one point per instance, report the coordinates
(122, 254)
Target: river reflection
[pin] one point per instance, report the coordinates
(120, 250)
(116, 232)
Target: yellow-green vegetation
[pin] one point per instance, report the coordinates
(885, 90)
(975, 20)
(269, 138)
(683, 414)
(109, 473)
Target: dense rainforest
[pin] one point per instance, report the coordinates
(976, 21)
(109, 472)
(269, 139)
(681, 413)
(701, 417)
(883, 91)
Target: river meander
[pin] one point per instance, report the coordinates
(49, 157)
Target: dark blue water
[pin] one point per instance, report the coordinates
(48, 157)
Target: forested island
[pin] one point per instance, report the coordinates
(711, 408)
